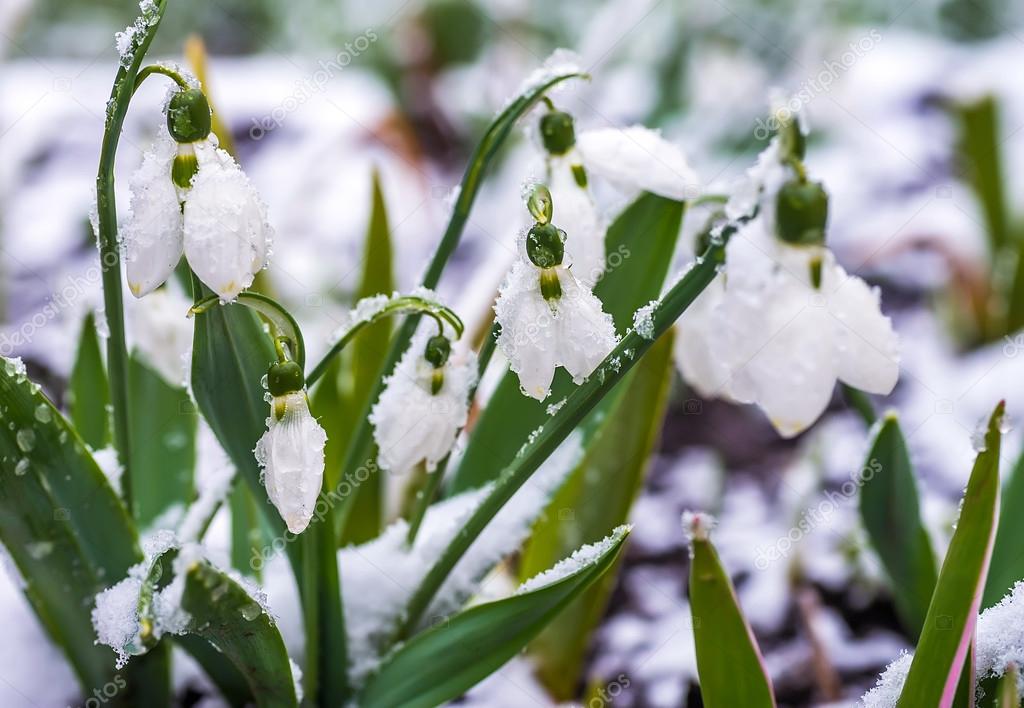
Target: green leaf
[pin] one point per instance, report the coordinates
(229, 681)
(224, 614)
(163, 432)
(66, 530)
(612, 471)
(443, 662)
(953, 612)
(729, 662)
(979, 147)
(1007, 565)
(890, 512)
(639, 243)
(88, 396)
(247, 537)
(367, 354)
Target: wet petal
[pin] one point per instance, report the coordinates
(638, 158)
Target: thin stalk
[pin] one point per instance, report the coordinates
(577, 405)
(360, 449)
(429, 492)
(110, 254)
(859, 401)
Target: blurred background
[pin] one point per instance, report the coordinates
(916, 114)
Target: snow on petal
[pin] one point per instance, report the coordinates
(638, 158)
(577, 215)
(227, 237)
(585, 332)
(866, 344)
(291, 455)
(528, 331)
(410, 423)
(151, 235)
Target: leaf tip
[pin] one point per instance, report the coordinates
(697, 526)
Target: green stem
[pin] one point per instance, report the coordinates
(110, 254)
(409, 304)
(159, 69)
(580, 402)
(859, 401)
(360, 448)
(426, 498)
(282, 324)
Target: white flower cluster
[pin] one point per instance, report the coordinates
(782, 322)
(219, 222)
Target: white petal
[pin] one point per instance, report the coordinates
(638, 158)
(528, 331)
(867, 347)
(586, 333)
(291, 454)
(151, 235)
(227, 237)
(162, 332)
(793, 371)
(576, 214)
(410, 423)
(697, 362)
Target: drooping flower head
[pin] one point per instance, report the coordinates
(424, 405)
(191, 197)
(291, 451)
(633, 158)
(547, 317)
(783, 321)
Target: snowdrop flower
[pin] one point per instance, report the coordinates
(633, 158)
(162, 333)
(424, 405)
(548, 318)
(291, 451)
(191, 197)
(783, 321)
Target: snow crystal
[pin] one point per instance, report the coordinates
(128, 40)
(15, 367)
(697, 525)
(369, 307)
(555, 407)
(580, 558)
(108, 462)
(643, 319)
(887, 690)
(381, 575)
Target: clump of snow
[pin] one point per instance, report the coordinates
(381, 575)
(697, 526)
(128, 41)
(580, 558)
(108, 462)
(369, 307)
(15, 367)
(643, 320)
(1000, 635)
(890, 684)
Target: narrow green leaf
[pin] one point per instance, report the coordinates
(443, 662)
(729, 662)
(247, 538)
(163, 432)
(66, 531)
(639, 244)
(953, 612)
(368, 352)
(1007, 565)
(594, 500)
(979, 146)
(890, 512)
(88, 396)
(231, 683)
(224, 614)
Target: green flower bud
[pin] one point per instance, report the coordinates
(185, 166)
(540, 205)
(188, 116)
(545, 245)
(438, 350)
(557, 132)
(285, 377)
(801, 210)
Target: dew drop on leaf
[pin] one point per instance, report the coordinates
(43, 414)
(26, 438)
(22, 467)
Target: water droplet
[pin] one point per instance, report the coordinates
(43, 413)
(26, 438)
(251, 611)
(22, 467)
